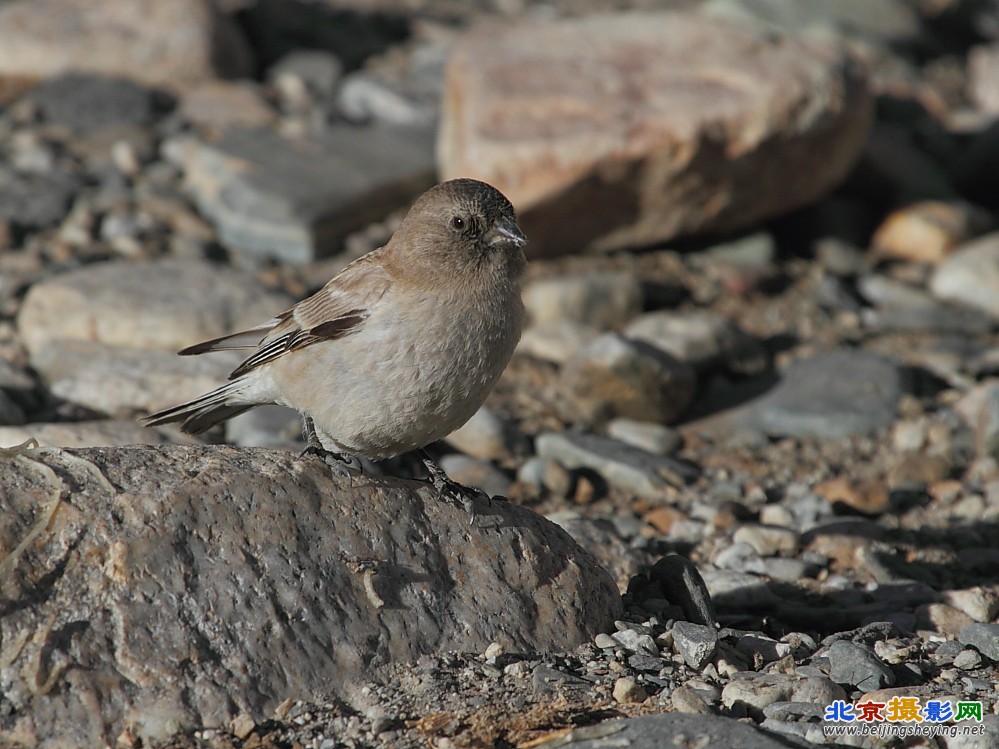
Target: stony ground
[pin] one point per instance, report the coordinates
(807, 409)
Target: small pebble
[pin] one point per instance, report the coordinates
(636, 641)
(653, 438)
(628, 690)
(967, 660)
(687, 700)
(605, 641)
(766, 540)
(242, 726)
(696, 643)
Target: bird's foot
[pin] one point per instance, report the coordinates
(447, 489)
(344, 465)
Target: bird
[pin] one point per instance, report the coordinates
(398, 349)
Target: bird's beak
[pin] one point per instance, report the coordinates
(505, 233)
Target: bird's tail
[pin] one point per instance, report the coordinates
(204, 412)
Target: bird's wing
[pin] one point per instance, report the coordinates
(337, 309)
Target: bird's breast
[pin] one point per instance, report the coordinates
(416, 370)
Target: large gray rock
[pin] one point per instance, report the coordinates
(984, 637)
(88, 103)
(600, 537)
(120, 380)
(857, 666)
(620, 130)
(165, 588)
(164, 305)
(986, 740)
(269, 196)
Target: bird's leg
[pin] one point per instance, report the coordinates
(446, 487)
(341, 463)
(313, 445)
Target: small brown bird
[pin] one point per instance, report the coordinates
(400, 348)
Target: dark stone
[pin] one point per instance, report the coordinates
(32, 202)
(683, 585)
(85, 103)
(856, 666)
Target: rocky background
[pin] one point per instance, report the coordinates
(761, 365)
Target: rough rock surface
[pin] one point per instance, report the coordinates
(692, 121)
(100, 433)
(180, 586)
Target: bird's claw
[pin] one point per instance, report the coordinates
(447, 489)
(343, 465)
(460, 494)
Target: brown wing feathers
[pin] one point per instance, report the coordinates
(244, 339)
(297, 339)
(324, 316)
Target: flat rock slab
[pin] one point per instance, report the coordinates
(615, 131)
(177, 586)
(163, 304)
(680, 731)
(835, 394)
(121, 380)
(294, 200)
(88, 103)
(630, 468)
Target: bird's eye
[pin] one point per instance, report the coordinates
(457, 223)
